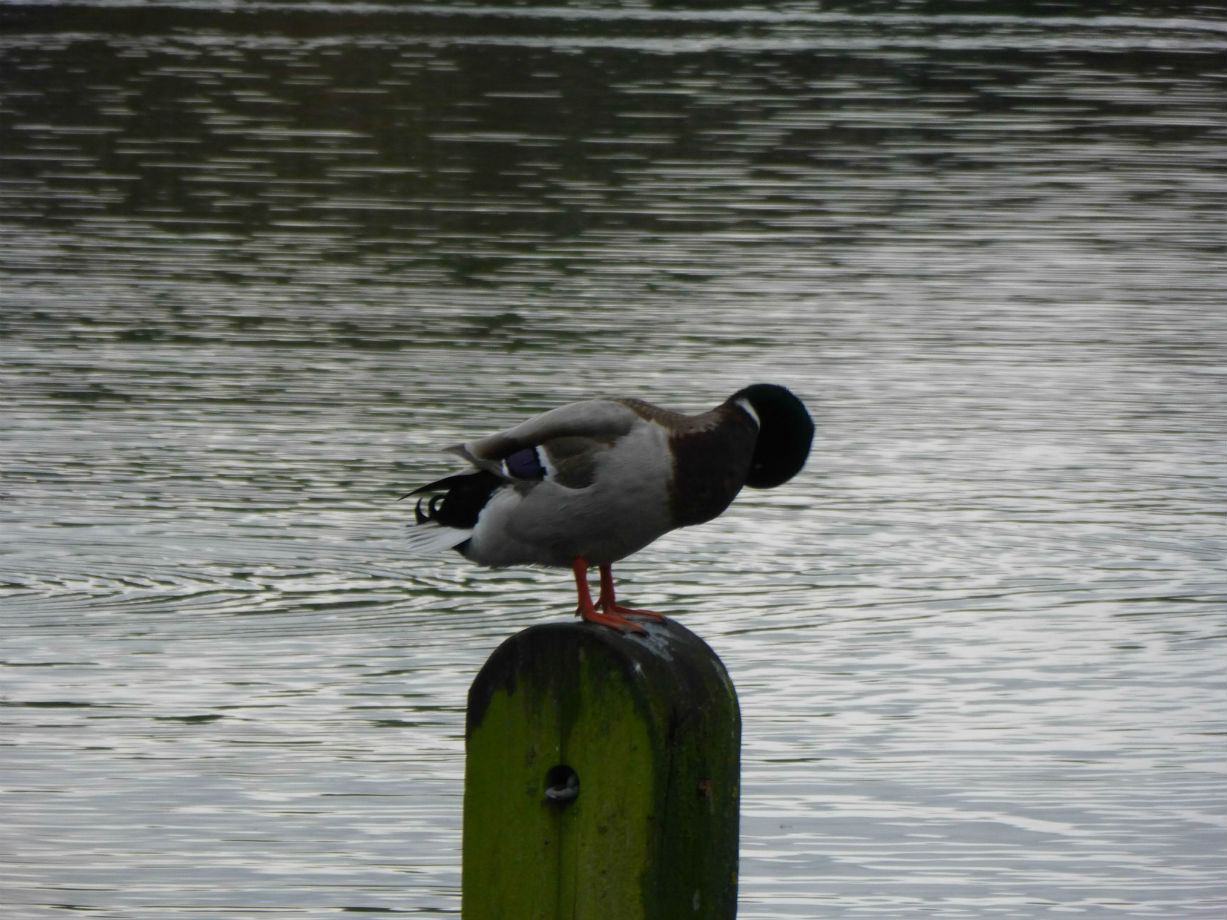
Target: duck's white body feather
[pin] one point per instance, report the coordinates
(603, 501)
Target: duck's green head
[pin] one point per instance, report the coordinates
(785, 432)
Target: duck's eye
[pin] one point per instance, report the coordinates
(524, 464)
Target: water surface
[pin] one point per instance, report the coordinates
(257, 265)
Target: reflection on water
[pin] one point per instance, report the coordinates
(256, 265)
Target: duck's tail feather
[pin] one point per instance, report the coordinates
(446, 519)
(425, 539)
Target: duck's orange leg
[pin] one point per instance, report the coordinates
(605, 616)
(608, 603)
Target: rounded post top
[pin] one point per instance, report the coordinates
(666, 661)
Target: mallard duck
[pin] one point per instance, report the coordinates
(589, 483)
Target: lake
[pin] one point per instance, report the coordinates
(260, 262)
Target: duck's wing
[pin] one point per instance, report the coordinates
(556, 450)
(560, 446)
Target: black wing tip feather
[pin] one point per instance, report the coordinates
(458, 499)
(441, 485)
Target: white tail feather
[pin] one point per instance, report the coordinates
(429, 537)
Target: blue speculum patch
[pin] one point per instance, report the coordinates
(525, 464)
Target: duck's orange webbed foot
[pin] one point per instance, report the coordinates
(608, 603)
(609, 614)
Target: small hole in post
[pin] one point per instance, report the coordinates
(561, 785)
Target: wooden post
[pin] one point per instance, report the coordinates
(601, 778)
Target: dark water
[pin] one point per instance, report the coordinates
(257, 263)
